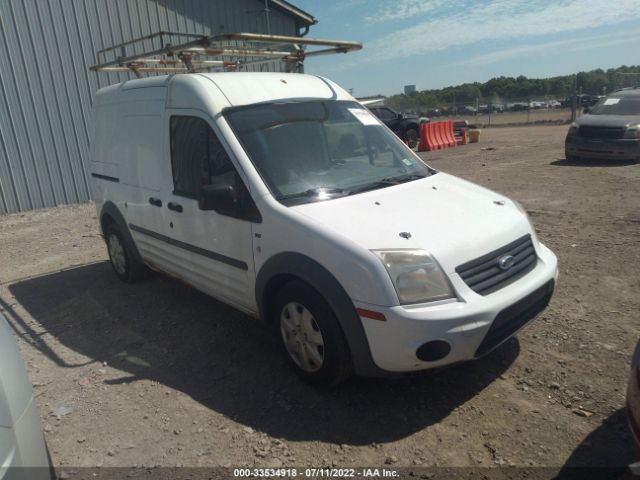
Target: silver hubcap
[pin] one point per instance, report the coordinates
(116, 254)
(302, 337)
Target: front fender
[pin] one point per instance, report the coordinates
(292, 264)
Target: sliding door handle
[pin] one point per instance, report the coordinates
(155, 201)
(176, 207)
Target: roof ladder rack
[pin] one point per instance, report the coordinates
(201, 53)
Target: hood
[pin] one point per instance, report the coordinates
(608, 120)
(455, 220)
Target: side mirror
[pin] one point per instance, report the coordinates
(586, 110)
(399, 116)
(221, 198)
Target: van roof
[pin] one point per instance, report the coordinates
(239, 88)
(243, 88)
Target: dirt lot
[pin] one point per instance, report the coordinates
(159, 374)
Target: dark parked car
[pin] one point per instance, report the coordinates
(407, 127)
(633, 397)
(609, 130)
(582, 100)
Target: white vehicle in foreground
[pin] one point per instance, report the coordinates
(23, 453)
(281, 195)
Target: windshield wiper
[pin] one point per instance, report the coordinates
(324, 192)
(406, 178)
(386, 182)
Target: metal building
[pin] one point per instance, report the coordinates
(46, 88)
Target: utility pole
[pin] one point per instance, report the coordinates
(574, 98)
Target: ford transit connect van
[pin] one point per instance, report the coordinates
(282, 196)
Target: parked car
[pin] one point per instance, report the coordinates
(609, 130)
(518, 106)
(282, 196)
(582, 100)
(633, 396)
(537, 105)
(432, 112)
(633, 404)
(468, 110)
(23, 453)
(407, 127)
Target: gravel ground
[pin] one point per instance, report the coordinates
(160, 374)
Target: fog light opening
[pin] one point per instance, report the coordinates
(433, 351)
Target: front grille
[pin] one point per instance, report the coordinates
(512, 318)
(484, 275)
(601, 132)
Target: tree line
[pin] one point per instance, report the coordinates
(500, 89)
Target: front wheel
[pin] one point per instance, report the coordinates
(412, 137)
(311, 336)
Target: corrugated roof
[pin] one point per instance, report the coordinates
(304, 17)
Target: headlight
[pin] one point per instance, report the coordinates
(534, 235)
(573, 129)
(633, 131)
(416, 276)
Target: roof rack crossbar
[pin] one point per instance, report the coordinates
(230, 50)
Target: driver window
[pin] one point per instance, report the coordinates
(198, 159)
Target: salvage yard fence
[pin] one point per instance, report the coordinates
(550, 109)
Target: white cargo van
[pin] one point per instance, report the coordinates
(281, 195)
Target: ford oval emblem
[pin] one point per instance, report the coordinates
(505, 262)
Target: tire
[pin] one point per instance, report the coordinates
(310, 336)
(123, 261)
(412, 136)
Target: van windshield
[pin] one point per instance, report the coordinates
(317, 150)
(629, 105)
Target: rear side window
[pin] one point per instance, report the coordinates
(190, 152)
(386, 114)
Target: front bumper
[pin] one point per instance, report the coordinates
(622, 149)
(465, 325)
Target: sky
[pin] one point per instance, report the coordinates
(438, 43)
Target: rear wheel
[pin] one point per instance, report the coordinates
(123, 261)
(412, 137)
(311, 336)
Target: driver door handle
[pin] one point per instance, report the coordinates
(155, 201)
(176, 207)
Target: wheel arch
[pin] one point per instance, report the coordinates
(411, 125)
(110, 214)
(284, 267)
